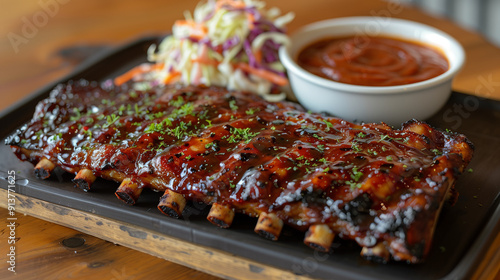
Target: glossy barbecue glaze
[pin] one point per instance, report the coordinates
(366, 182)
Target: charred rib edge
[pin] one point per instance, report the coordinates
(43, 168)
(319, 237)
(269, 226)
(129, 191)
(377, 253)
(172, 204)
(84, 179)
(221, 215)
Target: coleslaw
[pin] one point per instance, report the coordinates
(228, 43)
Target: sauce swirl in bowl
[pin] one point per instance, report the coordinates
(372, 61)
(392, 104)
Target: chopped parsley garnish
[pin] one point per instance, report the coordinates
(328, 125)
(354, 185)
(208, 145)
(176, 103)
(56, 137)
(78, 115)
(361, 135)
(153, 127)
(121, 109)
(184, 110)
(355, 147)
(356, 175)
(158, 115)
(251, 111)
(317, 136)
(209, 124)
(88, 132)
(111, 120)
(385, 137)
(133, 94)
(108, 102)
(437, 152)
(232, 105)
(241, 134)
(180, 131)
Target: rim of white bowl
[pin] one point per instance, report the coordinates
(291, 65)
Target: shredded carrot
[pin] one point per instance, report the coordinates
(232, 3)
(251, 20)
(140, 69)
(172, 77)
(237, 5)
(198, 30)
(205, 61)
(263, 73)
(258, 56)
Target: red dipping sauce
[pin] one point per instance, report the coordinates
(372, 61)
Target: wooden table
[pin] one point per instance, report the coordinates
(44, 40)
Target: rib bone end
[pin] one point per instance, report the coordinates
(319, 237)
(172, 204)
(269, 226)
(221, 215)
(84, 179)
(44, 168)
(377, 253)
(128, 191)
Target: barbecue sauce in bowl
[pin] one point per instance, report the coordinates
(372, 61)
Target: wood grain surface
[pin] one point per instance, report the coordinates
(42, 40)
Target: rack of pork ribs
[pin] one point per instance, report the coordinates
(382, 187)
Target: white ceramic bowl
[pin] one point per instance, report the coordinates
(390, 104)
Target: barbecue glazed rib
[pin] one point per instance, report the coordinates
(381, 187)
